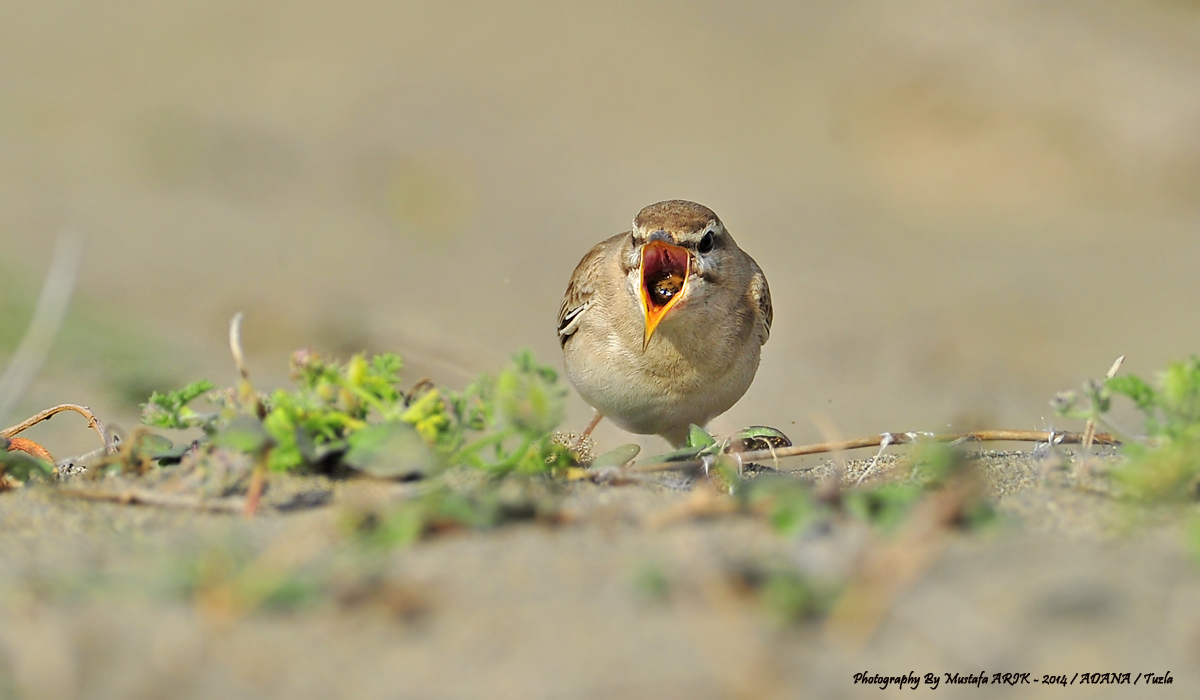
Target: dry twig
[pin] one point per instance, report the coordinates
(246, 393)
(1054, 437)
(235, 344)
(1089, 430)
(93, 422)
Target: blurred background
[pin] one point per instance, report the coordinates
(962, 208)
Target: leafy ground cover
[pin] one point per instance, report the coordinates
(402, 519)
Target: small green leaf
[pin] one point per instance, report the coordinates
(651, 582)
(527, 397)
(681, 455)
(170, 410)
(699, 437)
(617, 458)
(22, 465)
(151, 444)
(1141, 393)
(789, 597)
(884, 506)
(698, 443)
(316, 452)
(389, 450)
(244, 434)
(790, 504)
(172, 454)
(387, 367)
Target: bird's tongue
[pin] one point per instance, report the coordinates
(664, 279)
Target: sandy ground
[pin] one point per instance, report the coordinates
(962, 208)
(95, 603)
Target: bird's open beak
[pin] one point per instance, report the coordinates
(665, 268)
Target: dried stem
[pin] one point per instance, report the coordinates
(235, 344)
(29, 447)
(258, 481)
(93, 423)
(1089, 430)
(1053, 437)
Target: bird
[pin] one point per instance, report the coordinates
(662, 326)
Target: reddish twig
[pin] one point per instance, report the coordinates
(258, 480)
(29, 447)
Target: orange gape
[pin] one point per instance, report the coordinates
(665, 269)
(29, 447)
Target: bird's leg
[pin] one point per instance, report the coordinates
(587, 432)
(582, 443)
(585, 437)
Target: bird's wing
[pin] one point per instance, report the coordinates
(760, 295)
(580, 292)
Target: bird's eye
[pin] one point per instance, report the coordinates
(706, 244)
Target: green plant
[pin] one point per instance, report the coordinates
(651, 582)
(785, 594)
(1164, 465)
(791, 506)
(354, 413)
(932, 466)
(22, 466)
(478, 505)
(170, 410)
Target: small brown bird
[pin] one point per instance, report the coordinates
(662, 326)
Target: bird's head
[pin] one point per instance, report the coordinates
(677, 250)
